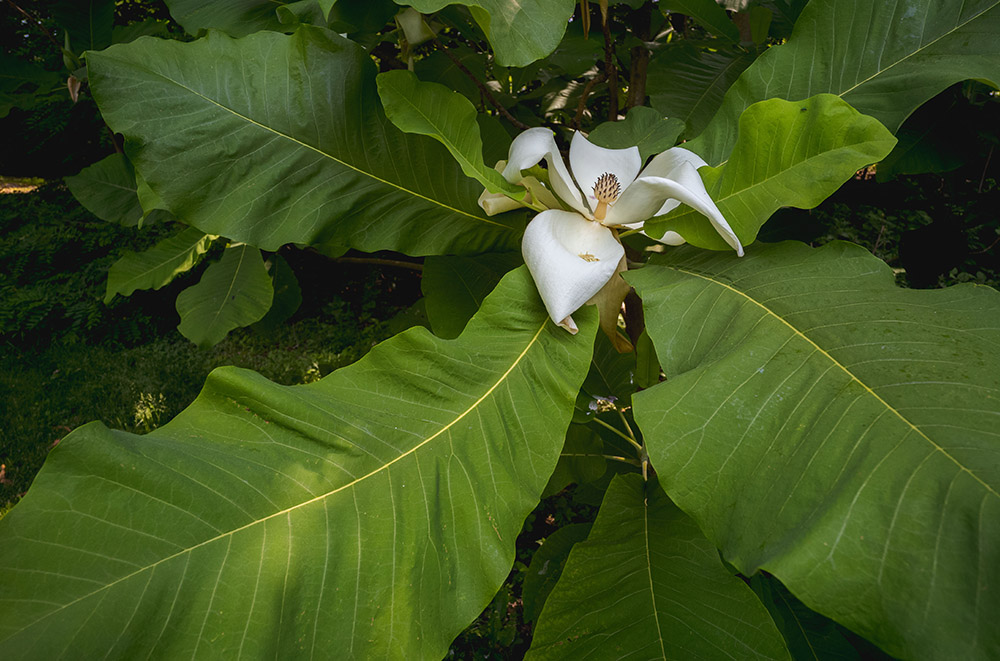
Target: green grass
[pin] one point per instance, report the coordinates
(47, 393)
(66, 358)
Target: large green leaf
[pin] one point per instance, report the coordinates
(24, 84)
(708, 13)
(88, 22)
(434, 110)
(689, 83)
(371, 514)
(546, 566)
(275, 139)
(809, 635)
(788, 154)
(520, 31)
(644, 128)
(454, 287)
(884, 58)
(836, 431)
(647, 584)
(236, 17)
(235, 291)
(153, 268)
(108, 190)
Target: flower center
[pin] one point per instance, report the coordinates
(606, 190)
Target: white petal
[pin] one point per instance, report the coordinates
(669, 237)
(531, 147)
(588, 162)
(646, 196)
(663, 163)
(570, 259)
(494, 203)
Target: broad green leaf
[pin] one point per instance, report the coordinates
(708, 13)
(24, 84)
(434, 110)
(154, 268)
(108, 190)
(282, 140)
(88, 22)
(644, 128)
(788, 154)
(371, 514)
(647, 584)
(292, 14)
(580, 462)
(236, 17)
(611, 374)
(455, 287)
(122, 34)
(546, 566)
(439, 68)
(576, 53)
(689, 83)
(520, 31)
(233, 292)
(287, 295)
(647, 365)
(919, 150)
(923, 146)
(361, 21)
(809, 635)
(884, 58)
(836, 431)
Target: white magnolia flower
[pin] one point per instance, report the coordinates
(572, 253)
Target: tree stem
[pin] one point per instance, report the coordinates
(610, 70)
(383, 262)
(485, 91)
(642, 29)
(612, 457)
(612, 428)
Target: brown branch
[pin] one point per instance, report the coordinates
(485, 91)
(383, 262)
(581, 106)
(642, 29)
(38, 24)
(610, 71)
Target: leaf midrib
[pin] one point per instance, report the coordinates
(318, 150)
(187, 250)
(232, 283)
(503, 377)
(846, 371)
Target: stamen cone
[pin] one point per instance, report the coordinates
(607, 188)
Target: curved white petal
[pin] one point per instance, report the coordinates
(531, 147)
(663, 163)
(570, 259)
(494, 203)
(588, 162)
(646, 195)
(669, 237)
(666, 165)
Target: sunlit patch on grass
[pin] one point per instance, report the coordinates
(19, 184)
